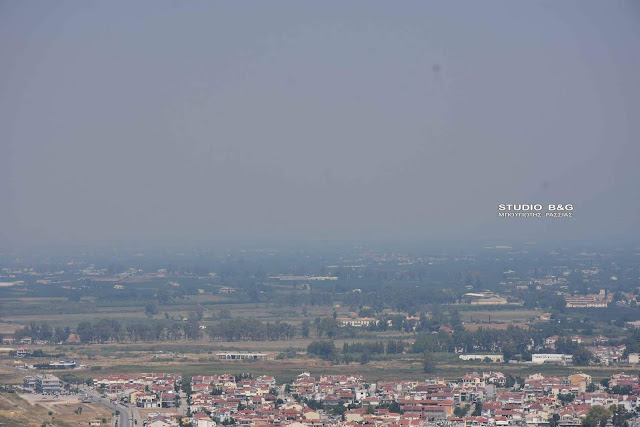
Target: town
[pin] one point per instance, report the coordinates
(477, 399)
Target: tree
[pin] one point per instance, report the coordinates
(306, 326)
(581, 356)
(428, 363)
(621, 416)
(163, 295)
(339, 410)
(566, 398)
(324, 349)
(186, 385)
(477, 411)
(395, 408)
(151, 309)
(511, 381)
(461, 411)
(365, 358)
(597, 416)
(329, 326)
(624, 390)
(192, 328)
(509, 350)
(456, 322)
(60, 334)
(85, 332)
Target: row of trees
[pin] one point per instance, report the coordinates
(511, 342)
(251, 330)
(43, 331)
(327, 350)
(110, 330)
(581, 356)
(114, 330)
(598, 416)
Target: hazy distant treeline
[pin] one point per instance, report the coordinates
(113, 330)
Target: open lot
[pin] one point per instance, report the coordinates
(15, 411)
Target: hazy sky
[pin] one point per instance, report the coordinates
(306, 120)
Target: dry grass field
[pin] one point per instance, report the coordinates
(56, 311)
(15, 411)
(66, 416)
(8, 373)
(7, 329)
(65, 409)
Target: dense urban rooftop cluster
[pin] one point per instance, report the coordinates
(477, 399)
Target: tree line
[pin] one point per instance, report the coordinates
(148, 330)
(251, 330)
(42, 331)
(511, 342)
(327, 350)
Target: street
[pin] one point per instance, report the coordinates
(125, 412)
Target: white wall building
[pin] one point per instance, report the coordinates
(541, 358)
(482, 357)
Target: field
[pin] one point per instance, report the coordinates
(67, 410)
(59, 312)
(15, 412)
(29, 410)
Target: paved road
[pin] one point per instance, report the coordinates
(125, 416)
(125, 412)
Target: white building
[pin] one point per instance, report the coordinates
(541, 358)
(234, 355)
(482, 357)
(359, 322)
